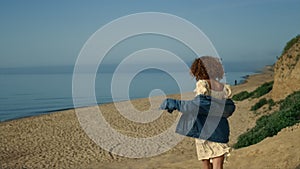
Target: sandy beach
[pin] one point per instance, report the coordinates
(57, 140)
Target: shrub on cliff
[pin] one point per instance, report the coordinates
(241, 96)
(263, 89)
(259, 104)
(290, 43)
(290, 100)
(258, 92)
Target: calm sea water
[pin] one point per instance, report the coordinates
(24, 95)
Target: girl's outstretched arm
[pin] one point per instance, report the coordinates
(202, 104)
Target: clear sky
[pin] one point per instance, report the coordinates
(52, 33)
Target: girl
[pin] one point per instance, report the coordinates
(211, 139)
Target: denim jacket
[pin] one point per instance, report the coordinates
(203, 117)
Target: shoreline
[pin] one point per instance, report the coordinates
(38, 113)
(41, 113)
(264, 70)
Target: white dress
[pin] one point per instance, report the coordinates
(209, 149)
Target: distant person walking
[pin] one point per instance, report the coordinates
(211, 146)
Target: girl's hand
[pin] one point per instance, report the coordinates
(169, 105)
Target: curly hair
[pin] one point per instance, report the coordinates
(207, 67)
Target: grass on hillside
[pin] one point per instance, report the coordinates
(258, 92)
(261, 103)
(270, 125)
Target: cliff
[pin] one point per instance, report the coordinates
(287, 71)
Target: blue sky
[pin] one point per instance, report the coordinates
(52, 33)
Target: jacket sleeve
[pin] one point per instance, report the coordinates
(169, 105)
(184, 106)
(188, 106)
(202, 107)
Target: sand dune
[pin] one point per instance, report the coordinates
(57, 140)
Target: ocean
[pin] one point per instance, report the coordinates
(31, 94)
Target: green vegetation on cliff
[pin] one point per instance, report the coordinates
(270, 125)
(258, 92)
(290, 43)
